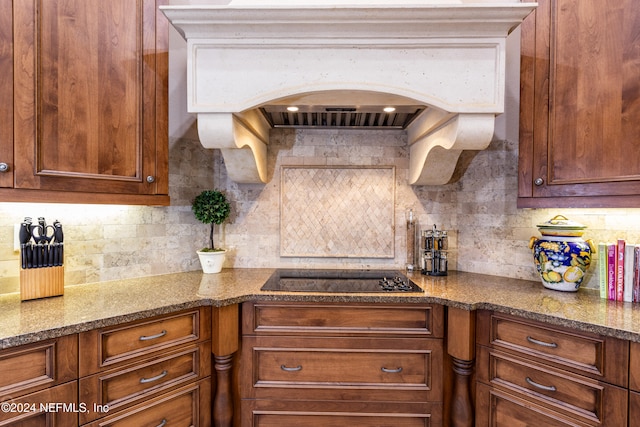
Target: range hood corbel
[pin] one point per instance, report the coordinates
(445, 55)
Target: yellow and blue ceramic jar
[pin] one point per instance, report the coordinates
(561, 256)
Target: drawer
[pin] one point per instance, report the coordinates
(37, 366)
(102, 348)
(287, 413)
(578, 395)
(495, 408)
(184, 407)
(121, 387)
(391, 369)
(52, 407)
(599, 357)
(343, 319)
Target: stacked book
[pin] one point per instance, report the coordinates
(619, 271)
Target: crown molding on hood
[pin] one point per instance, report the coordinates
(447, 55)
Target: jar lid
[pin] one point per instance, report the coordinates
(560, 225)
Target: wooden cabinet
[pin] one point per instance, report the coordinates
(38, 384)
(88, 121)
(334, 364)
(580, 115)
(152, 371)
(548, 375)
(6, 94)
(634, 382)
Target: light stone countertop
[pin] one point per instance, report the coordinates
(90, 306)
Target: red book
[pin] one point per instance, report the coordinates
(611, 270)
(620, 271)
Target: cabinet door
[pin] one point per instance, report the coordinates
(580, 109)
(90, 96)
(6, 94)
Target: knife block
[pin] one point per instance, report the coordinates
(41, 282)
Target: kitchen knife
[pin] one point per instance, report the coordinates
(24, 236)
(58, 235)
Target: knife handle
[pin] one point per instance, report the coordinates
(23, 255)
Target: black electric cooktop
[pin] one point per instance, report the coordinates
(339, 281)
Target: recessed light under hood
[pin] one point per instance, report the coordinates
(441, 63)
(340, 117)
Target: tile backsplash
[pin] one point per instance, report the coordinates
(488, 233)
(104, 242)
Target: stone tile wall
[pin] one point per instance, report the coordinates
(488, 234)
(104, 242)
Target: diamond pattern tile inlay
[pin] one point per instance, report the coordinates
(337, 211)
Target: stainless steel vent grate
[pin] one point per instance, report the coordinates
(340, 117)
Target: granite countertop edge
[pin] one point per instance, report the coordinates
(92, 306)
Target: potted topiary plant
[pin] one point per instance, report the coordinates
(211, 207)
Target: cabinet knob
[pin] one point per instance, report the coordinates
(151, 179)
(538, 181)
(4, 167)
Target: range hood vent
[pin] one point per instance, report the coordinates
(441, 63)
(340, 117)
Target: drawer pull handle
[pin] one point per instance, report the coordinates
(153, 337)
(163, 423)
(391, 371)
(287, 369)
(542, 343)
(540, 386)
(152, 379)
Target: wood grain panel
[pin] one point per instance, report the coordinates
(58, 416)
(186, 406)
(592, 355)
(102, 348)
(86, 92)
(6, 92)
(122, 387)
(296, 413)
(580, 105)
(280, 318)
(36, 366)
(595, 101)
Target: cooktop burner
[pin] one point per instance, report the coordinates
(339, 281)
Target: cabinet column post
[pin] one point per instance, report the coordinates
(224, 343)
(461, 326)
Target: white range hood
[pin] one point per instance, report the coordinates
(445, 57)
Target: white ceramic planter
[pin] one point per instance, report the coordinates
(211, 262)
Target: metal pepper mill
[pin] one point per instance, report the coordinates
(435, 244)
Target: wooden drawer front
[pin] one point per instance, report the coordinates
(589, 354)
(102, 348)
(381, 369)
(61, 402)
(326, 420)
(342, 368)
(564, 391)
(296, 318)
(185, 407)
(123, 386)
(284, 413)
(495, 408)
(37, 366)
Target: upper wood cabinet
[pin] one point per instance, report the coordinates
(6, 94)
(90, 105)
(580, 105)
